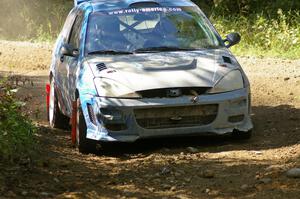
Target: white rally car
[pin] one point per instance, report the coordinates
(124, 70)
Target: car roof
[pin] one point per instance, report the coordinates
(101, 5)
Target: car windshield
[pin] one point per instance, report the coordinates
(149, 30)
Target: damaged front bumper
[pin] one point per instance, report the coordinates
(126, 120)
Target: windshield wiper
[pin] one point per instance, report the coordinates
(162, 49)
(109, 52)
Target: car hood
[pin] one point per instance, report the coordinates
(147, 71)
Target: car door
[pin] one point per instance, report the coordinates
(71, 62)
(60, 69)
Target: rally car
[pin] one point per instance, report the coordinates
(124, 70)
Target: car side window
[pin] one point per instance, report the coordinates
(74, 38)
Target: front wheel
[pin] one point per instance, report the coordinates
(83, 144)
(56, 118)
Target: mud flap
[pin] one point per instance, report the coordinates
(47, 99)
(74, 122)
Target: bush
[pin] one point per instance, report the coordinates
(16, 130)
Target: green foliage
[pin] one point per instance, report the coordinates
(247, 7)
(268, 28)
(278, 36)
(16, 130)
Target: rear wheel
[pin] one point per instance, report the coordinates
(56, 118)
(84, 145)
(242, 135)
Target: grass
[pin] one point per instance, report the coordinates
(16, 130)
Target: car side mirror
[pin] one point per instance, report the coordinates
(69, 50)
(232, 39)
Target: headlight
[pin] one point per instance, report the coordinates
(110, 88)
(232, 81)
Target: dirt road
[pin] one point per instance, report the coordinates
(202, 167)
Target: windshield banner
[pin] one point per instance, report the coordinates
(145, 10)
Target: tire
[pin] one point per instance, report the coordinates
(242, 135)
(55, 117)
(83, 144)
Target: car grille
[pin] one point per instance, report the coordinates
(163, 92)
(175, 117)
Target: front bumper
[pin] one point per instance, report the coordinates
(233, 113)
